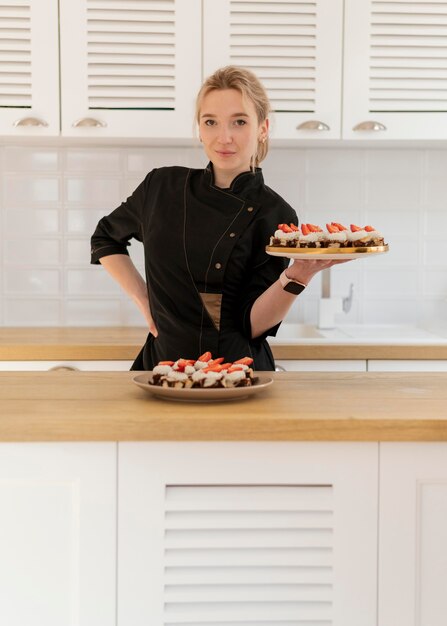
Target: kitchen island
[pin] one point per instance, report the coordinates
(322, 500)
(334, 406)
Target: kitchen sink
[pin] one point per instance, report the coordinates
(305, 331)
(359, 333)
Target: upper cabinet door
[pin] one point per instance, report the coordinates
(129, 68)
(395, 70)
(29, 70)
(294, 47)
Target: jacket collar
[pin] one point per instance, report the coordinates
(242, 184)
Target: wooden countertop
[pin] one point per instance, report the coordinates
(336, 406)
(124, 343)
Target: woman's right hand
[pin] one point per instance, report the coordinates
(304, 270)
(145, 308)
(122, 269)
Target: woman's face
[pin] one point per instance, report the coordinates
(229, 131)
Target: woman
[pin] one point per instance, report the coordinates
(209, 285)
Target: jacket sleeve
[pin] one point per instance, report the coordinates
(114, 232)
(263, 272)
(263, 277)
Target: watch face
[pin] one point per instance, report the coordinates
(294, 288)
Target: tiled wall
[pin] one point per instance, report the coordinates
(52, 197)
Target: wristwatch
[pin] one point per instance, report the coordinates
(290, 285)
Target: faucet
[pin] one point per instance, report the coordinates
(329, 305)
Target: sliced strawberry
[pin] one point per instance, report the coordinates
(339, 226)
(331, 228)
(166, 362)
(369, 229)
(206, 356)
(226, 366)
(246, 360)
(217, 361)
(304, 229)
(182, 363)
(286, 229)
(235, 368)
(294, 228)
(314, 228)
(212, 368)
(355, 228)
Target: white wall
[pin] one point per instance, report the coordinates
(52, 197)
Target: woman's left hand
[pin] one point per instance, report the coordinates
(304, 270)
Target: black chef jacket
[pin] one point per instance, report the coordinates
(205, 260)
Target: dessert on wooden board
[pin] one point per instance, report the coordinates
(203, 373)
(335, 236)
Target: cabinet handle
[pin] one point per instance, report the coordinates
(369, 125)
(313, 125)
(89, 121)
(64, 368)
(30, 121)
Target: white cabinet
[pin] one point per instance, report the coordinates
(129, 69)
(29, 68)
(322, 365)
(413, 534)
(247, 533)
(57, 534)
(395, 69)
(132, 69)
(296, 50)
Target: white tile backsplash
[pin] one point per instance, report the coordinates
(52, 198)
(32, 312)
(23, 191)
(76, 251)
(92, 312)
(31, 222)
(93, 160)
(94, 190)
(32, 281)
(83, 220)
(32, 252)
(19, 159)
(93, 281)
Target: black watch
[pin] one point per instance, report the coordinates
(290, 285)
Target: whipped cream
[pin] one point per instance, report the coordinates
(211, 378)
(199, 365)
(162, 369)
(312, 237)
(340, 236)
(233, 378)
(198, 376)
(280, 234)
(359, 234)
(176, 376)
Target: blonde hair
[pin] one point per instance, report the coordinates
(249, 85)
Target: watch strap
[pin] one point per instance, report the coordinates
(290, 285)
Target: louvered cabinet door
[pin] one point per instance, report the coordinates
(243, 534)
(294, 47)
(413, 534)
(130, 68)
(395, 70)
(29, 68)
